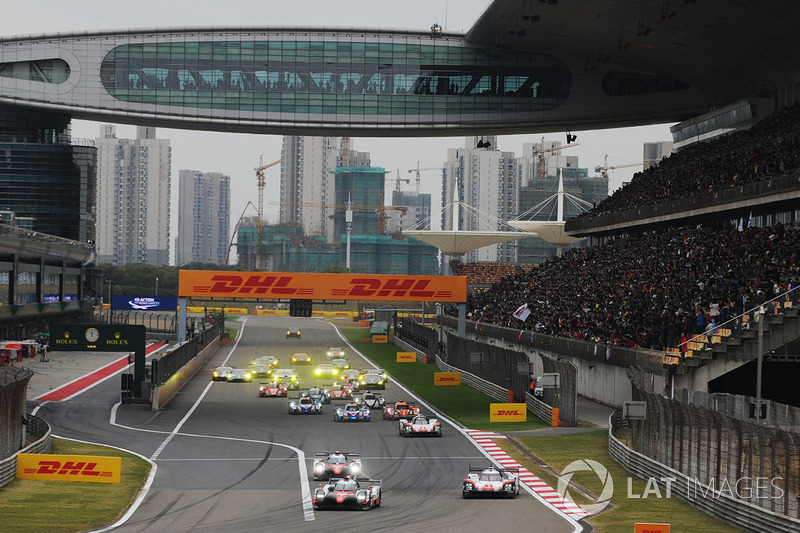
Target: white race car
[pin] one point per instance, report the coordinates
(420, 425)
(373, 400)
(494, 481)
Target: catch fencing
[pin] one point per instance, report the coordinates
(749, 462)
(565, 397)
(172, 361)
(420, 337)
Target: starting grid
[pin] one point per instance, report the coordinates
(485, 439)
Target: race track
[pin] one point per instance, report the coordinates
(228, 460)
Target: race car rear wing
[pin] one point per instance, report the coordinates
(348, 454)
(500, 469)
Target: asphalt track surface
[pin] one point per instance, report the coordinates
(227, 460)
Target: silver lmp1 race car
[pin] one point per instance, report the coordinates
(491, 481)
(347, 493)
(420, 425)
(336, 464)
(352, 412)
(304, 405)
(373, 400)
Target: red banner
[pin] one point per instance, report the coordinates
(289, 285)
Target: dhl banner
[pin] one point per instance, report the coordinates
(406, 357)
(237, 311)
(378, 339)
(48, 467)
(507, 412)
(651, 528)
(447, 378)
(313, 286)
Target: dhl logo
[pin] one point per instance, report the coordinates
(507, 412)
(447, 378)
(406, 357)
(50, 467)
(68, 468)
(304, 285)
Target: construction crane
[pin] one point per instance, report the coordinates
(404, 180)
(235, 229)
(418, 170)
(603, 170)
(541, 167)
(261, 182)
(380, 210)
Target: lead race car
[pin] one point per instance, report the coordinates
(422, 425)
(352, 412)
(336, 464)
(347, 493)
(491, 481)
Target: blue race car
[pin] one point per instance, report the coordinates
(304, 405)
(351, 412)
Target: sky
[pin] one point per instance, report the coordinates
(237, 155)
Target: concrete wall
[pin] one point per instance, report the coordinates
(164, 393)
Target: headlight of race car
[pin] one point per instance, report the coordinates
(318, 371)
(319, 494)
(361, 496)
(509, 487)
(292, 405)
(294, 378)
(319, 467)
(247, 375)
(468, 486)
(380, 382)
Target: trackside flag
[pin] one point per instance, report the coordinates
(522, 312)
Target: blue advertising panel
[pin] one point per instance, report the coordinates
(144, 303)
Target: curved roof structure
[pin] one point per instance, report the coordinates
(455, 242)
(551, 231)
(523, 67)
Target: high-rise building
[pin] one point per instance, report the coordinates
(409, 209)
(203, 217)
(307, 197)
(46, 179)
(654, 152)
(133, 198)
(485, 179)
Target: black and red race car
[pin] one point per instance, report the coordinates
(271, 389)
(336, 464)
(347, 493)
(401, 409)
(338, 391)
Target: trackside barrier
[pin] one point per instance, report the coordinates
(164, 392)
(542, 410)
(38, 428)
(490, 389)
(737, 512)
(421, 357)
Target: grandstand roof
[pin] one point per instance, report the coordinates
(729, 50)
(551, 231)
(453, 242)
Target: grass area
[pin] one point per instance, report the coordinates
(469, 406)
(28, 505)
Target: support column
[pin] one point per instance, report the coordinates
(181, 329)
(462, 320)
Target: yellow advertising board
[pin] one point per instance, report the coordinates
(651, 528)
(447, 378)
(49, 467)
(372, 287)
(380, 339)
(237, 311)
(507, 412)
(406, 357)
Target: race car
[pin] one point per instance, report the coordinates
(337, 391)
(373, 400)
(292, 332)
(400, 409)
(301, 358)
(347, 493)
(287, 376)
(334, 352)
(420, 425)
(239, 374)
(371, 380)
(336, 464)
(326, 370)
(319, 395)
(260, 370)
(491, 481)
(304, 405)
(269, 360)
(352, 412)
(271, 390)
(341, 364)
(220, 373)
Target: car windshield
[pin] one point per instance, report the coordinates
(337, 460)
(420, 420)
(352, 407)
(490, 476)
(305, 400)
(400, 405)
(346, 485)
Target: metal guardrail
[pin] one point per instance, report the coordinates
(176, 358)
(40, 430)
